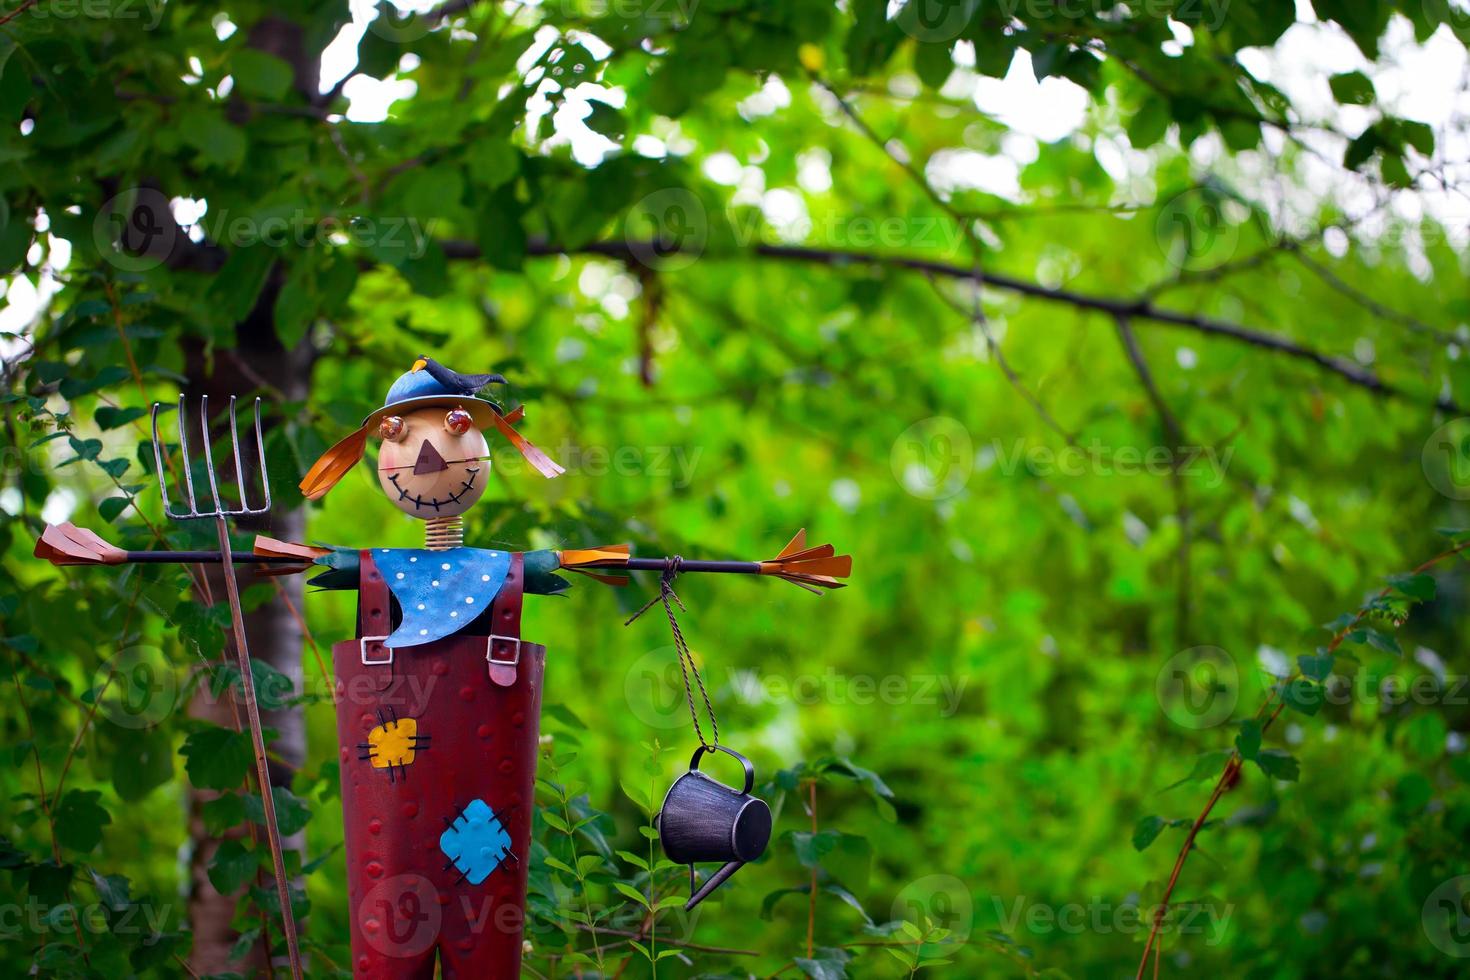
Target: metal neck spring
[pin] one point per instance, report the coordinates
(443, 533)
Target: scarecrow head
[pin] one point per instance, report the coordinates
(434, 460)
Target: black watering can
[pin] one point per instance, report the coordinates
(704, 820)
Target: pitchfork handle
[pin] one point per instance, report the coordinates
(206, 558)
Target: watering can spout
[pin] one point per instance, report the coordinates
(714, 881)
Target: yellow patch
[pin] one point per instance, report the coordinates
(392, 744)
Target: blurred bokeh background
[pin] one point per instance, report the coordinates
(1122, 345)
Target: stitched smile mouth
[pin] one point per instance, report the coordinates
(420, 503)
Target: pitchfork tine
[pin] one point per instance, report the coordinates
(265, 481)
(168, 506)
(239, 466)
(187, 462)
(219, 505)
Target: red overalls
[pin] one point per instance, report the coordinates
(426, 731)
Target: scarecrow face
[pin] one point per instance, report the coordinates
(434, 461)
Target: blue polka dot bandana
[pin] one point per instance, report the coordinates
(440, 592)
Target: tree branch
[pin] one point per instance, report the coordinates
(1134, 310)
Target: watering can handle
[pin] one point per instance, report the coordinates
(749, 768)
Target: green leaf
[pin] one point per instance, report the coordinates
(1419, 586)
(560, 865)
(231, 867)
(828, 967)
(933, 63)
(48, 883)
(110, 507)
(1147, 830)
(145, 763)
(222, 813)
(259, 74)
(1248, 742)
(292, 813)
(1352, 88)
(1315, 667)
(217, 758)
(1302, 696)
(606, 120)
(108, 417)
(631, 892)
(1278, 764)
(219, 143)
(1205, 765)
(79, 820)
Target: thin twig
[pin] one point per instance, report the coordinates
(1235, 763)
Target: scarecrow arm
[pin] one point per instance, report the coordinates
(67, 544)
(815, 568)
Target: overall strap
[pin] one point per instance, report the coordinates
(374, 617)
(503, 655)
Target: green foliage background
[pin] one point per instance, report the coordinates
(714, 395)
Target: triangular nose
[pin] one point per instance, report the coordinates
(429, 460)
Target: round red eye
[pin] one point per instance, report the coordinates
(392, 428)
(458, 422)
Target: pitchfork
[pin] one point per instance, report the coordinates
(220, 511)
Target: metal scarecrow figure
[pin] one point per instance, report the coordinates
(438, 697)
